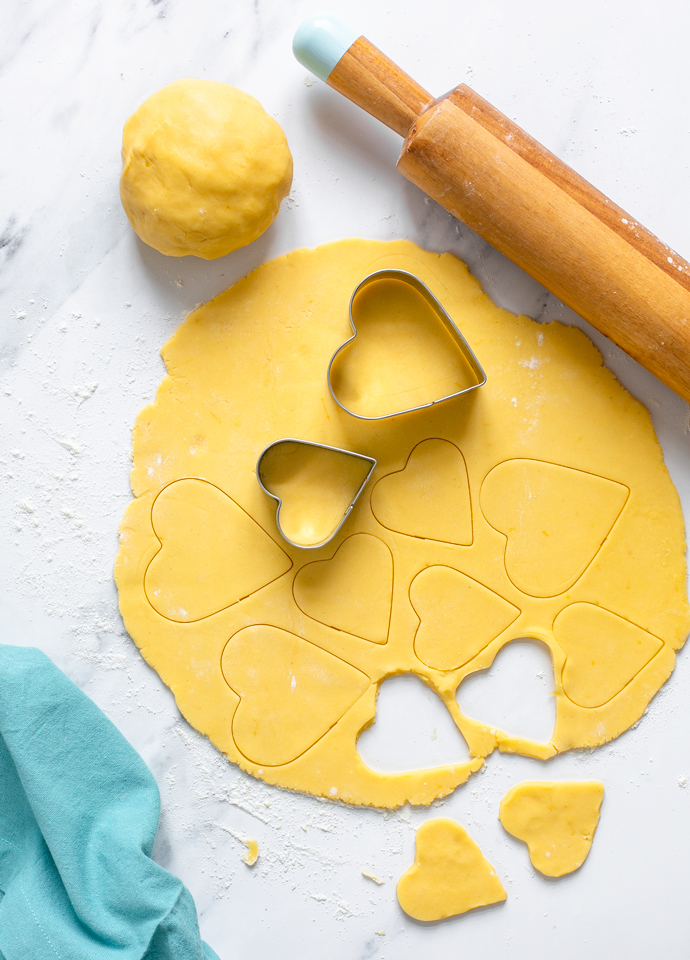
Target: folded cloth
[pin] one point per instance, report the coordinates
(79, 812)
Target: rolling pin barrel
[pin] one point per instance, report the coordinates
(522, 199)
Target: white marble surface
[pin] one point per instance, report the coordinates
(84, 310)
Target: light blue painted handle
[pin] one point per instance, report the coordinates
(320, 42)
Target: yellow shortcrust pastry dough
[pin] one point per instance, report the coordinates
(556, 820)
(449, 875)
(204, 169)
(252, 854)
(537, 506)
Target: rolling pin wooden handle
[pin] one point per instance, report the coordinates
(555, 225)
(376, 84)
(523, 200)
(354, 67)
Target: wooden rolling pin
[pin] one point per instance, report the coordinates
(547, 219)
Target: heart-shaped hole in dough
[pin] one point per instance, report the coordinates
(405, 352)
(412, 729)
(515, 694)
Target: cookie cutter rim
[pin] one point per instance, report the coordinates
(448, 323)
(324, 446)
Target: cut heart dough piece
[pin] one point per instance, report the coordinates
(603, 652)
(352, 591)
(291, 692)
(430, 497)
(458, 617)
(555, 520)
(556, 820)
(449, 875)
(212, 553)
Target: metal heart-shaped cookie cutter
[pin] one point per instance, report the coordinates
(263, 466)
(450, 327)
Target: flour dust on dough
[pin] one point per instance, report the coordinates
(536, 507)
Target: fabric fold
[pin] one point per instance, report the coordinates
(79, 812)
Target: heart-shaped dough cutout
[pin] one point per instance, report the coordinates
(212, 553)
(450, 875)
(291, 692)
(430, 497)
(557, 821)
(458, 617)
(353, 591)
(555, 520)
(594, 672)
(405, 353)
(316, 486)
(412, 729)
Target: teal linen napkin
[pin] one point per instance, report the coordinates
(79, 812)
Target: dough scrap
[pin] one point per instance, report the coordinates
(556, 820)
(249, 368)
(204, 169)
(449, 875)
(252, 854)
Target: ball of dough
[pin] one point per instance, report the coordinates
(204, 169)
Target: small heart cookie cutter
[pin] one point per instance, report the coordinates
(261, 470)
(448, 324)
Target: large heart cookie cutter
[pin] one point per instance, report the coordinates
(315, 487)
(471, 367)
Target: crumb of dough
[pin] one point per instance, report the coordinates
(371, 876)
(252, 854)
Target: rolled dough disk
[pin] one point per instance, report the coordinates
(539, 506)
(556, 820)
(204, 169)
(449, 875)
